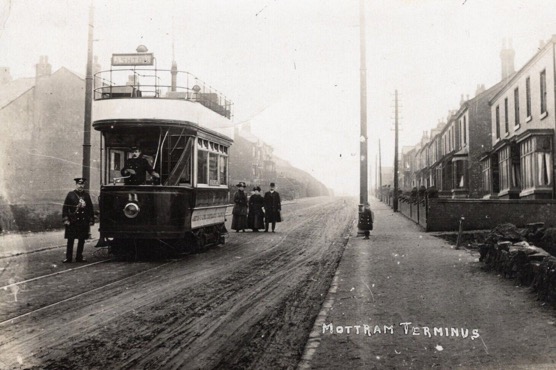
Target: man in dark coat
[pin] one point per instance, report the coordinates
(78, 216)
(272, 207)
(136, 168)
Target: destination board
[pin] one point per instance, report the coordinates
(143, 59)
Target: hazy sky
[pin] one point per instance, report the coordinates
(291, 67)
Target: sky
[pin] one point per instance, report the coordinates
(292, 67)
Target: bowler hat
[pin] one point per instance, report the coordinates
(272, 184)
(80, 180)
(257, 188)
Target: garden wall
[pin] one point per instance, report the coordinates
(479, 214)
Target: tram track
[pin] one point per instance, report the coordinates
(207, 299)
(14, 319)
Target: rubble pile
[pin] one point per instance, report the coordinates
(512, 254)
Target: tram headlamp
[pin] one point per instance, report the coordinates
(131, 210)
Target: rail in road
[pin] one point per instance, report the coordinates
(211, 303)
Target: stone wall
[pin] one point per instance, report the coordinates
(444, 214)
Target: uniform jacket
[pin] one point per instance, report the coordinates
(141, 166)
(78, 210)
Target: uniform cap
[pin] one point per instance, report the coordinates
(80, 180)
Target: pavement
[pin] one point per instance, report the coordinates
(13, 244)
(391, 292)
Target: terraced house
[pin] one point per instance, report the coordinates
(450, 157)
(521, 162)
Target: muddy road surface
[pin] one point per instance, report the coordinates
(248, 304)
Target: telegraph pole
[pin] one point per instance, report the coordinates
(86, 167)
(396, 158)
(379, 165)
(363, 192)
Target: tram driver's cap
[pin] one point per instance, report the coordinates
(134, 148)
(80, 180)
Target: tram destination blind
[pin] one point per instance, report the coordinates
(143, 59)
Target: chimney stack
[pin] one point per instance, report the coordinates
(480, 89)
(43, 68)
(507, 56)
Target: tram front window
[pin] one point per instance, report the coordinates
(167, 150)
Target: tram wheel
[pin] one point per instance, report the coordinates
(201, 240)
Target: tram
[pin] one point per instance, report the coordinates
(179, 124)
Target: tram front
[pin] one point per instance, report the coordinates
(178, 187)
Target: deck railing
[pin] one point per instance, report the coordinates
(159, 84)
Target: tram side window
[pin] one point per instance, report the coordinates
(213, 169)
(223, 168)
(202, 167)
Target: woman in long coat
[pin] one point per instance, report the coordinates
(239, 212)
(255, 218)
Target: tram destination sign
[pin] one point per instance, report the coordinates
(133, 59)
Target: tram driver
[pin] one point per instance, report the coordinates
(136, 167)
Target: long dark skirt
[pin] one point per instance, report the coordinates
(239, 222)
(255, 220)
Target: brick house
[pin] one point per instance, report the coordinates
(523, 116)
(42, 141)
(450, 157)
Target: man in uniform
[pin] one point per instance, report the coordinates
(136, 168)
(272, 207)
(78, 216)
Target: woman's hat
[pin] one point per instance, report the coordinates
(257, 188)
(241, 184)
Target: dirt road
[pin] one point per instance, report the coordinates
(248, 304)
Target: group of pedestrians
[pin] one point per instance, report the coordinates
(256, 212)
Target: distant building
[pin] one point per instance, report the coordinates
(42, 141)
(251, 159)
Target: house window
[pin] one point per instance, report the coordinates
(505, 167)
(543, 92)
(498, 122)
(485, 167)
(528, 95)
(516, 106)
(528, 171)
(460, 181)
(536, 162)
(506, 121)
(464, 130)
